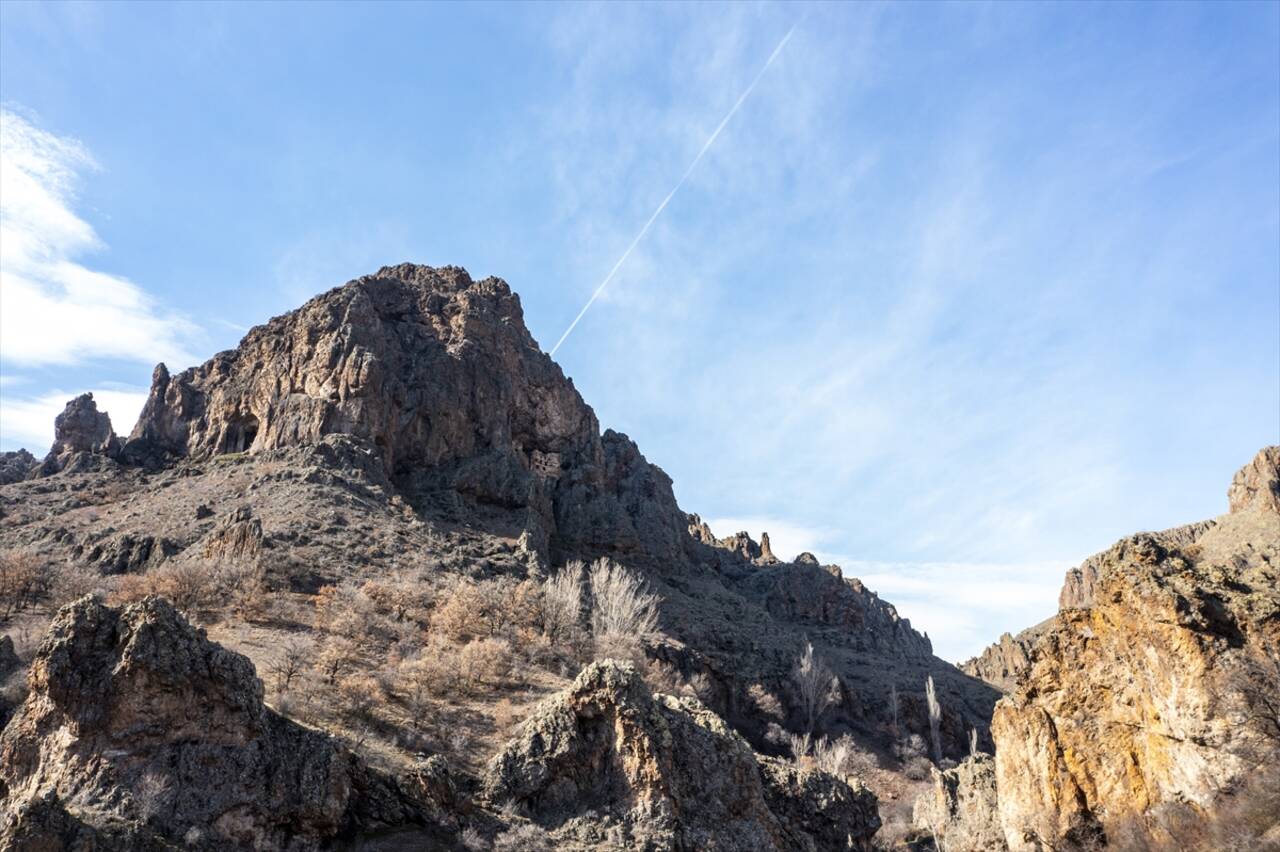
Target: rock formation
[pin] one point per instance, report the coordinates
(15, 466)
(408, 418)
(1146, 691)
(1004, 664)
(80, 432)
(607, 762)
(960, 809)
(140, 733)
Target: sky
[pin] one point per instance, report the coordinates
(951, 295)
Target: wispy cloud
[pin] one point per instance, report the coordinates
(706, 146)
(54, 310)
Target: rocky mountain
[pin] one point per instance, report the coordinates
(400, 440)
(1148, 704)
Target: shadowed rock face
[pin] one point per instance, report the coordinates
(138, 731)
(1146, 690)
(607, 762)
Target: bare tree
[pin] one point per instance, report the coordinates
(295, 655)
(621, 609)
(815, 684)
(935, 718)
(562, 601)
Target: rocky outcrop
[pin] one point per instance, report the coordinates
(1151, 693)
(137, 727)
(1257, 484)
(16, 466)
(236, 538)
(607, 758)
(80, 431)
(10, 665)
(960, 809)
(1004, 664)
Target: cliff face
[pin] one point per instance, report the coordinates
(1149, 689)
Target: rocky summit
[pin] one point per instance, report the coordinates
(376, 579)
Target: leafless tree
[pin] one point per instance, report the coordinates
(295, 655)
(562, 596)
(815, 685)
(621, 608)
(935, 718)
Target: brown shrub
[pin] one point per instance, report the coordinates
(336, 656)
(23, 579)
(484, 662)
(189, 586)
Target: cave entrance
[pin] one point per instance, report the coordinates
(240, 434)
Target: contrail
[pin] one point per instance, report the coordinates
(663, 206)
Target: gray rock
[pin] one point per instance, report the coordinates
(162, 733)
(668, 773)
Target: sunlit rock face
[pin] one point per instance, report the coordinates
(1143, 691)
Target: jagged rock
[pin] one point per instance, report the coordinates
(9, 665)
(9, 661)
(813, 594)
(1257, 484)
(16, 466)
(237, 538)
(138, 724)
(1004, 664)
(1150, 694)
(80, 430)
(960, 810)
(666, 773)
(127, 553)
(766, 551)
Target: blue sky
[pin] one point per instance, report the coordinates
(960, 294)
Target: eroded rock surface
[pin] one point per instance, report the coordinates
(140, 733)
(1146, 690)
(608, 763)
(960, 809)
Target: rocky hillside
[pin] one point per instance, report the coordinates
(393, 475)
(1150, 700)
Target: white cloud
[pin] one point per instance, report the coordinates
(964, 606)
(53, 309)
(29, 422)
